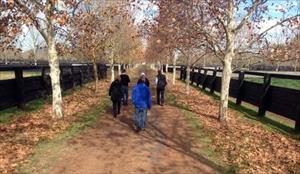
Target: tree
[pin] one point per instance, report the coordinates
(227, 22)
(47, 17)
(33, 41)
(217, 27)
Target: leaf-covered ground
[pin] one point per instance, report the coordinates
(244, 144)
(18, 138)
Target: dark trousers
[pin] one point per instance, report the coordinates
(125, 94)
(160, 96)
(116, 107)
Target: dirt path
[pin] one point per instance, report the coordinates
(112, 146)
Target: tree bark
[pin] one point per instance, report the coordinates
(57, 111)
(95, 75)
(227, 71)
(119, 68)
(112, 68)
(188, 80)
(174, 69)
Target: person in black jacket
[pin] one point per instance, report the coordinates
(161, 83)
(125, 80)
(115, 92)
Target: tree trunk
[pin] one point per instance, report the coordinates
(229, 55)
(296, 64)
(188, 80)
(95, 75)
(174, 70)
(57, 111)
(119, 68)
(159, 65)
(112, 68)
(167, 68)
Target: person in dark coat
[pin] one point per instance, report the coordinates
(125, 80)
(161, 83)
(115, 92)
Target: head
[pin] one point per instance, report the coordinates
(117, 78)
(143, 74)
(140, 81)
(159, 71)
(124, 71)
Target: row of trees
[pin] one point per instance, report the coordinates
(224, 29)
(86, 29)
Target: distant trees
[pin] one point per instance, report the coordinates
(218, 27)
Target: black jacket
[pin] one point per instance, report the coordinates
(125, 79)
(115, 91)
(161, 81)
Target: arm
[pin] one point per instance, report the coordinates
(110, 89)
(156, 80)
(128, 79)
(149, 99)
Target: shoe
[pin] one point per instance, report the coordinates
(138, 129)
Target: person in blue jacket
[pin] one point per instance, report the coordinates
(141, 99)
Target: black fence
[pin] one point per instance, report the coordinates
(19, 90)
(282, 101)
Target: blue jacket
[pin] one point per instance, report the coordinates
(141, 96)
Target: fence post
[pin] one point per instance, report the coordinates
(213, 82)
(45, 82)
(20, 88)
(73, 76)
(204, 82)
(181, 72)
(264, 98)
(240, 95)
(199, 77)
(192, 75)
(81, 76)
(297, 124)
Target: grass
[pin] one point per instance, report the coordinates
(271, 121)
(201, 135)
(7, 115)
(5, 75)
(285, 83)
(46, 152)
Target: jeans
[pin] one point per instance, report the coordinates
(160, 96)
(140, 117)
(116, 107)
(125, 94)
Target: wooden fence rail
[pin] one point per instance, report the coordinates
(282, 101)
(18, 91)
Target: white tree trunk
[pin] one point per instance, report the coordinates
(159, 65)
(95, 75)
(167, 68)
(112, 67)
(188, 80)
(227, 71)
(174, 70)
(57, 111)
(119, 69)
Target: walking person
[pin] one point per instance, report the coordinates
(125, 80)
(141, 99)
(115, 92)
(161, 83)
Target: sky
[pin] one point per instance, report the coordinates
(145, 10)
